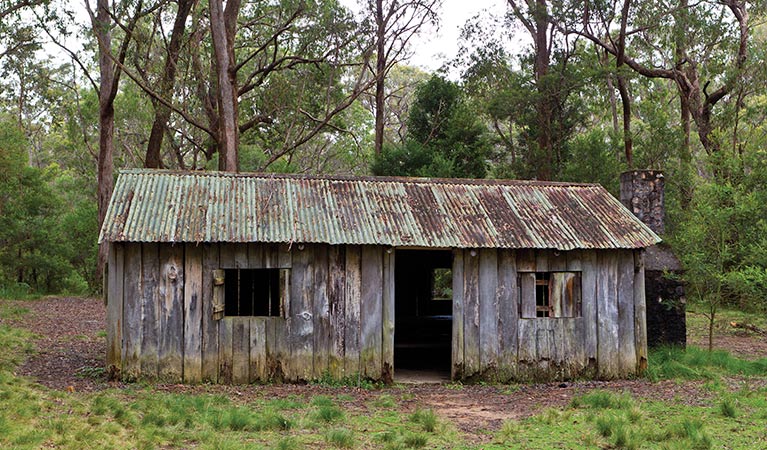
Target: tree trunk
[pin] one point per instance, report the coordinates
(544, 111)
(162, 112)
(105, 168)
(380, 95)
(628, 142)
(223, 26)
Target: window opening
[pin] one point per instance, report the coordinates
(550, 294)
(442, 284)
(255, 292)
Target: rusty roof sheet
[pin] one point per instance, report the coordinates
(167, 206)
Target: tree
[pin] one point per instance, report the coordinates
(395, 25)
(688, 65)
(444, 137)
(167, 82)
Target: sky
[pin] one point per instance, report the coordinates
(433, 47)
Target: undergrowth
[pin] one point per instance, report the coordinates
(694, 363)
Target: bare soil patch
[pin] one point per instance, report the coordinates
(71, 349)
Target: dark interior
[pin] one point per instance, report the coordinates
(423, 310)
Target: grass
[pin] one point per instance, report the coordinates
(730, 412)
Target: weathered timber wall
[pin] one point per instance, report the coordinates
(491, 341)
(338, 315)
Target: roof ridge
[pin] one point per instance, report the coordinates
(361, 178)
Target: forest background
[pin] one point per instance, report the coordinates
(314, 87)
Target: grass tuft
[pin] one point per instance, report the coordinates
(340, 437)
(727, 408)
(427, 418)
(599, 399)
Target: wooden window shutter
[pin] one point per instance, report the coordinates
(218, 294)
(565, 294)
(527, 295)
(284, 292)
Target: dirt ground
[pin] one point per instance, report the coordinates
(71, 349)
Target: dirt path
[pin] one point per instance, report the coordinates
(71, 356)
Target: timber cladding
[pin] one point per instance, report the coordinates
(336, 314)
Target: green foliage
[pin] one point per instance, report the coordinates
(47, 229)
(444, 137)
(692, 363)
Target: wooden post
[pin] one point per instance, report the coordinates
(471, 349)
(371, 312)
(456, 372)
(388, 315)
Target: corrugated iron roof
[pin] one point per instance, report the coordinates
(166, 206)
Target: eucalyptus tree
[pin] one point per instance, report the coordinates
(702, 46)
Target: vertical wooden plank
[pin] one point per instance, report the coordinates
(607, 315)
(589, 305)
(225, 339)
(471, 349)
(542, 258)
(284, 256)
(193, 313)
(527, 353)
(300, 323)
(371, 312)
(627, 344)
(352, 295)
(171, 363)
(336, 300)
(321, 311)
(387, 344)
(277, 348)
(557, 261)
(115, 277)
(527, 303)
(150, 315)
(240, 350)
(574, 261)
(257, 360)
(457, 371)
(227, 256)
(489, 341)
(508, 314)
(240, 254)
(210, 262)
(525, 260)
(255, 255)
(640, 312)
(543, 341)
(131, 369)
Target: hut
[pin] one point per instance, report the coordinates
(241, 278)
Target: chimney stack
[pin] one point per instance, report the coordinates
(642, 194)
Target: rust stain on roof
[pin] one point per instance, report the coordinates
(168, 206)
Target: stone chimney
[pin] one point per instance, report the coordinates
(642, 194)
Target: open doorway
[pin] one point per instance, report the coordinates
(423, 314)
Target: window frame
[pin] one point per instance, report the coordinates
(221, 280)
(543, 294)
